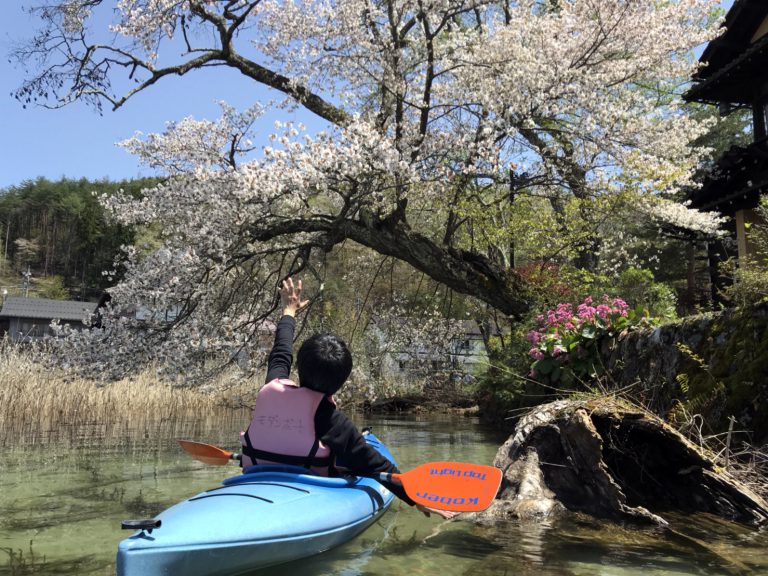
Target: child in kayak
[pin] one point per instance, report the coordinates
(299, 424)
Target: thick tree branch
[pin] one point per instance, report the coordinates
(466, 272)
(84, 72)
(307, 98)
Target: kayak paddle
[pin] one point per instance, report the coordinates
(207, 453)
(453, 486)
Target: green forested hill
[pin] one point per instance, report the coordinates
(59, 232)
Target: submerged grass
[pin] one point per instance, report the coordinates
(22, 562)
(41, 405)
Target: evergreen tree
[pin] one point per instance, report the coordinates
(60, 229)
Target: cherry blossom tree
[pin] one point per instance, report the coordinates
(441, 115)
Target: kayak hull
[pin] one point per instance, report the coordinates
(231, 558)
(267, 516)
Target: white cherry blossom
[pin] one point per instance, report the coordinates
(439, 114)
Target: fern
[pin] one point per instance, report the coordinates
(706, 401)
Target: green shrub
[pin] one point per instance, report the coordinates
(53, 288)
(639, 289)
(750, 279)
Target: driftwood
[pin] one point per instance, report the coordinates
(611, 460)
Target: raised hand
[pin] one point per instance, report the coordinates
(290, 297)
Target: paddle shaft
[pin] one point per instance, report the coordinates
(452, 486)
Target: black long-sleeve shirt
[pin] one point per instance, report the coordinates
(332, 426)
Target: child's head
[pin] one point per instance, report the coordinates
(324, 363)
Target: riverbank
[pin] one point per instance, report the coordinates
(40, 405)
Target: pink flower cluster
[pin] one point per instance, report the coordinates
(562, 324)
(587, 312)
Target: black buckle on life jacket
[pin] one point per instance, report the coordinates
(303, 461)
(147, 524)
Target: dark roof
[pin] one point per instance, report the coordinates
(732, 60)
(741, 23)
(472, 328)
(737, 181)
(735, 82)
(46, 309)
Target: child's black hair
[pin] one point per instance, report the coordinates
(324, 363)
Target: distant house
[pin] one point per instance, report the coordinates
(469, 350)
(27, 319)
(463, 355)
(146, 314)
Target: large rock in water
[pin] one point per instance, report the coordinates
(613, 460)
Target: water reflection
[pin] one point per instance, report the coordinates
(582, 545)
(60, 512)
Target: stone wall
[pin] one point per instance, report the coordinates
(721, 371)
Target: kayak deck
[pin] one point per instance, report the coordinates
(269, 515)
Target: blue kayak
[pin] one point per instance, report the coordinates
(269, 515)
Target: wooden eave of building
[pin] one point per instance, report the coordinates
(741, 23)
(734, 82)
(737, 180)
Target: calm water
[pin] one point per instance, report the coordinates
(60, 513)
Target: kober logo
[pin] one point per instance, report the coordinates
(457, 473)
(446, 499)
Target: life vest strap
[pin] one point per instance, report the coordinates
(305, 461)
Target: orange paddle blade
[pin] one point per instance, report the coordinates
(454, 486)
(207, 453)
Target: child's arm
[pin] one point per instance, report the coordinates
(340, 435)
(281, 356)
(343, 439)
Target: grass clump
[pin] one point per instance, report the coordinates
(41, 405)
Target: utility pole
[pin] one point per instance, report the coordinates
(27, 277)
(7, 235)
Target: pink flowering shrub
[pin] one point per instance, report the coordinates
(567, 344)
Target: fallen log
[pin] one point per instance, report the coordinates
(613, 460)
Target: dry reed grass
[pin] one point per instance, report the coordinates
(733, 451)
(40, 405)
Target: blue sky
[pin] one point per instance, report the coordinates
(76, 141)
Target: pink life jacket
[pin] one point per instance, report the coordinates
(282, 429)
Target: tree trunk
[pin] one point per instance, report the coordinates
(612, 460)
